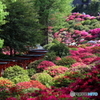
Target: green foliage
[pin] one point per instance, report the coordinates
(97, 54)
(64, 80)
(72, 48)
(59, 48)
(22, 27)
(86, 22)
(29, 90)
(1, 43)
(49, 45)
(50, 56)
(44, 78)
(16, 74)
(66, 61)
(31, 71)
(52, 9)
(3, 13)
(79, 27)
(52, 13)
(93, 7)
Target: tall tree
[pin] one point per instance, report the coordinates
(22, 27)
(52, 9)
(94, 7)
(3, 15)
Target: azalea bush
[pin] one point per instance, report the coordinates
(96, 49)
(30, 84)
(31, 71)
(44, 78)
(34, 64)
(16, 74)
(76, 58)
(55, 70)
(66, 61)
(80, 67)
(65, 79)
(5, 84)
(86, 55)
(89, 84)
(49, 94)
(45, 64)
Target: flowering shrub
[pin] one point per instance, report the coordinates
(88, 60)
(96, 49)
(44, 78)
(74, 53)
(77, 64)
(66, 61)
(6, 83)
(77, 67)
(96, 59)
(55, 70)
(50, 94)
(30, 84)
(76, 58)
(34, 64)
(62, 81)
(86, 55)
(65, 79)
(16, 74)
(89, 84)
(79, 17)
(45, 64)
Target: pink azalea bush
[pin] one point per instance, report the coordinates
(77, 58)
(78, 64)
(89, 84)
(45, 64)
(88, 60)
(56, 70)
(79, 17)
(86, 55)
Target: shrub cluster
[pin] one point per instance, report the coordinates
(16, 74)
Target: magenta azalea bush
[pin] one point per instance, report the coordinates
(79, 17)
(45, 64)
(90, 83)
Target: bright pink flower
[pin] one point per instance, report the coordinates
(84, 33)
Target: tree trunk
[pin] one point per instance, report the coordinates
(43, 20)
(11, 51)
